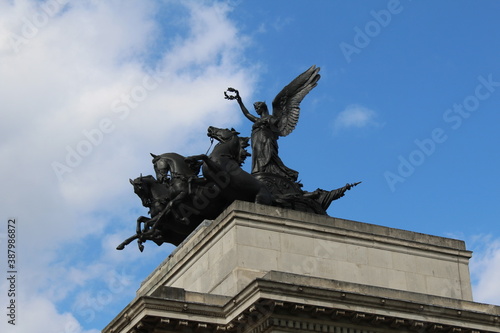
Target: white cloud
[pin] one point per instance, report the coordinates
(37, 314)
(355, 116)
(91, 85)
(281, 22)
(485, 269)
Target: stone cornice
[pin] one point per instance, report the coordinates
(271, 302)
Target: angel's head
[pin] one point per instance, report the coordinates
(261, 108)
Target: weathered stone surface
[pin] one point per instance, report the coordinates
(260, 269)
(247, 241)
(284, 302)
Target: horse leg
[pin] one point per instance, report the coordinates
(201, 157)
(141, 238)
(174, 202)
(138, 234)
(169, 209)
(144, 236)
(127, 242)
(213, 166)
(141, 219)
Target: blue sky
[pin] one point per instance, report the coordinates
(408, 103)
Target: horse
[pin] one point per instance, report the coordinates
(161, 227)
(173, 219)
(223, 167)
(173, 170)
(179, 200)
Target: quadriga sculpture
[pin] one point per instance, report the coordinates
(180, 198)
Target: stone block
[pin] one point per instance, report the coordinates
(404, 262)
(415, 282)
(265, 239)
(248, 240)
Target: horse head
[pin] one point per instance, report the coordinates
(142, 187)
(221, 134)
(169, 165)
(229, 143)
(162, 169)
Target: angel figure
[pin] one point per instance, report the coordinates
(267, 128)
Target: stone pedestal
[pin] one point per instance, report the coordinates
(249, 240)
(260, 268)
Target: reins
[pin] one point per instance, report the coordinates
(211, 143)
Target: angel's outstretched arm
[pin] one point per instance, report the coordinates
(245, 111)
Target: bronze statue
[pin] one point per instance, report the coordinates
(267, 128)
(224, 163)
(179, 198)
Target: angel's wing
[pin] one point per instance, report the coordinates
(286, 105)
